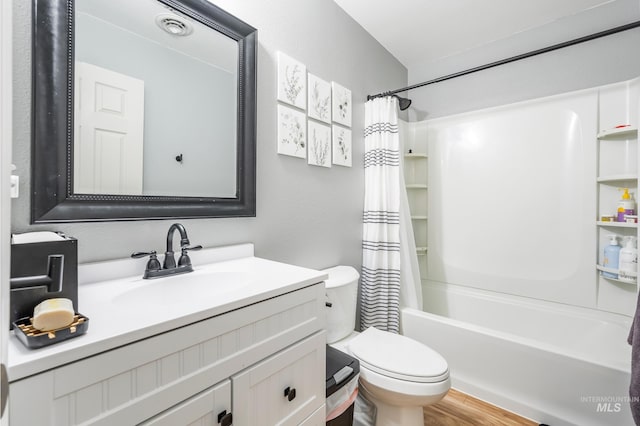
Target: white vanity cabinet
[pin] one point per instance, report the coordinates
(240, 362)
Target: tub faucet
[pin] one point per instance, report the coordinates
(169, 266)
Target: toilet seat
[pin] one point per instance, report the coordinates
(398, 357)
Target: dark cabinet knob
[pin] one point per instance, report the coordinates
(225, 419)
(290, 393)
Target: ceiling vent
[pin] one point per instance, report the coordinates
(174, 24)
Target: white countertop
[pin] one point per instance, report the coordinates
(126, 309)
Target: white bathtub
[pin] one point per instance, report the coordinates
(552, 363)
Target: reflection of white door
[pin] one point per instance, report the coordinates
(109, 118)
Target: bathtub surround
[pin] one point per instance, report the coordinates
(380, 283)
(305, 215)
(547, 332)
(543, 154)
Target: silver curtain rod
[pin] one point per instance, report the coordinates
(513, 58)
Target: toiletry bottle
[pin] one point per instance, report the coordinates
(626, 205)
(628, 268)
(611, 257)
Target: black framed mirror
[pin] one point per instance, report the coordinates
(177, 179)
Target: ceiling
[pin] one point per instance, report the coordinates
(423, 31)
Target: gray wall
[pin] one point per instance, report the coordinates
(189, 108)
(310, 216)
(602, 61)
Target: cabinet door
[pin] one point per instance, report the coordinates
(284, 389)
(202, 409)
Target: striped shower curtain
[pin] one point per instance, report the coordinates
(380, 283)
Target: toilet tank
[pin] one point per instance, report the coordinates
(342, 294)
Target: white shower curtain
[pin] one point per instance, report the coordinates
(380, 284)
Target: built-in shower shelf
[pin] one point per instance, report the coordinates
(615, 271)
(617, 224)
(415, 168)
(618, 280)
(421, 251)
(617, 178)
(626, 132)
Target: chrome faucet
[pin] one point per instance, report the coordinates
(153, 269)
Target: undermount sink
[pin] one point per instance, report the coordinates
(193, 287)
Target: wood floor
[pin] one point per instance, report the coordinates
(459, 409)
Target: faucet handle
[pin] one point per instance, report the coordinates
(139, 254)
(184, 257)
(153, 264)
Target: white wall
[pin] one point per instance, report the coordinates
(309, 216)
(602, 61)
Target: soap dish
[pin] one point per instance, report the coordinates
(34, 339)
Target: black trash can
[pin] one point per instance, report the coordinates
(342, 387)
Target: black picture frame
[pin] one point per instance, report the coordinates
(52, 197)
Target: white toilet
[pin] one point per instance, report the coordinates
(398, 374)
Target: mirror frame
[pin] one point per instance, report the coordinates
(52, 197)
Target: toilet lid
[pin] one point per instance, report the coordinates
(397, 356)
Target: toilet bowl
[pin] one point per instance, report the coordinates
(397, 374)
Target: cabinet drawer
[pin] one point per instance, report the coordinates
(132, 383)
(262, 394)
(202, 409)
(317, 418)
